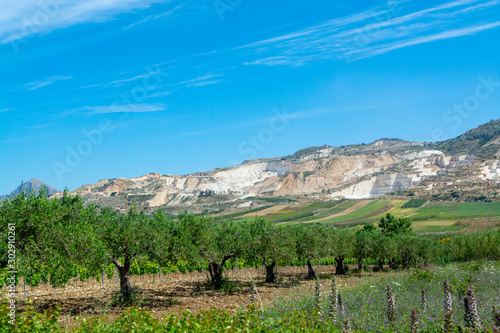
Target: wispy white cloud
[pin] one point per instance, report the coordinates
(155, 17)
(373, 32)
(144, 20)
(137, 77)
(271, 61)
(39, 84)
(120, 82)
(21, 19)
(471, 9)
(133, 108)
(171, 11)
(426, 39)
(6, 109)
(313, 31)
(161, 93)
(36, 127)
(203, 80)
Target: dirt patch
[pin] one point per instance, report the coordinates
(176, 292)
(179, 292)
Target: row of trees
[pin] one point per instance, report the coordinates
(60, 236)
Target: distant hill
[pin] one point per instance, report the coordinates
(32, 185)
(481, 141)
(465, 168)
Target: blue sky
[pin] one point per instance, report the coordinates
(94, 89)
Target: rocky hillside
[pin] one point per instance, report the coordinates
(482, 142)
(465, 165)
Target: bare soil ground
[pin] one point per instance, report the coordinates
(177, 292)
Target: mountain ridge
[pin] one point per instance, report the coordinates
(32, 184)
(384, 167)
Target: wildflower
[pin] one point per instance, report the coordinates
(471, 317)
(447, 297)
(391, 305)
(413, 322)
(448, 309)
(333, 306)
(347, 325)
(317, 294)
(424, 301)
(252, 293)
(496, 316)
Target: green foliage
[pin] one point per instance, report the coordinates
(29, 320)
(392, 226)
(473, 141)
(422, 275)
(414, 203)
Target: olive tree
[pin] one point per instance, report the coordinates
(391, 226)
(270, 244)
(309, 241)
(211, 241)
(43, 230)
(123, 237)
(365, 243)
(384, 248)
(340, 245)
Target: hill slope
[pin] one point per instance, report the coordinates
(464, 168)
(482, 141)
(32, 185)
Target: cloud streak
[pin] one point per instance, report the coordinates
(132, 108)
(203, 80)
(39, 84)
(374, 32)
(22, 19)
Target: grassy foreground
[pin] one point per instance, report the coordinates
(333, 307)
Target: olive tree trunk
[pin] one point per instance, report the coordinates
(270, 271)
(381, 264)
(311, 274)
(340, 268)
(216, 271)
(124, 271)
(406, 261)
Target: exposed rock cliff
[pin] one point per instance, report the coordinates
(353, 172)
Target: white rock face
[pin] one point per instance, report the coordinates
(491, 170)
(422, 154)
(376, 186)
(353, 176)
(428, 163)
(239, 180)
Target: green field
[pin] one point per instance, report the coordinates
(302, 212)
(362, 213)
(427, 216)
(431, 216)
(475, 209)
